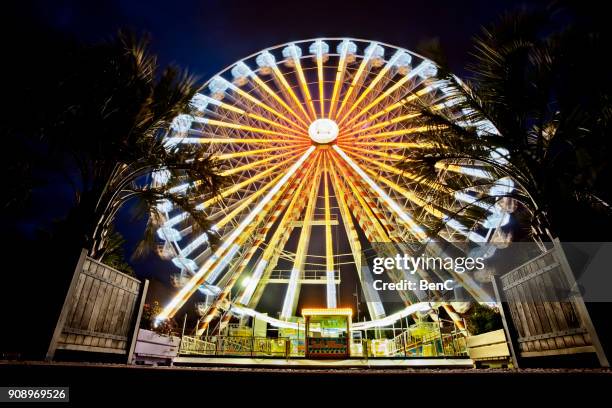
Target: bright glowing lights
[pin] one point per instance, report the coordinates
(350, 102)
(323, 131)
(185, 292)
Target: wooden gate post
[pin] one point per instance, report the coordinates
(143, 298)
(66, 307)
(510, 337)
(581, 308)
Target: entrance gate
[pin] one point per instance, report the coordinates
(547, 320)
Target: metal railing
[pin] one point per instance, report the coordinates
(403, 345)
(235, 346)
(431, 344)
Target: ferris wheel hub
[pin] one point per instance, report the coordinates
(323, 131)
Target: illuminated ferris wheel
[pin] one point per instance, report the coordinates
(311, 133)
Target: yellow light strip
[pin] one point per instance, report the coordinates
(376, 229)
(305, 90)
(399, 132)
(358, 74)
(232, 242)
(279, 75)
(370, 87)
(227, 156)
(381, 124)
(404, 173)
(237, 126)
(293, 287)
(329, 248)
(390, 156)
(406, 218)
(237, 187)
(379, 98)
(257, 163)
(327, 312)
(224, 140)
(212, 312)
(321, 80)
(337, 82)
(280, 100)
(407, 145)
(392, 107)
(259, 103)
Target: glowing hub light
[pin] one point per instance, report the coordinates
(323, 131)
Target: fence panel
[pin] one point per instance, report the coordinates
(98, 311)
(549, 317)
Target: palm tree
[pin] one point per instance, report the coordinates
(527, 82)
(115, 108)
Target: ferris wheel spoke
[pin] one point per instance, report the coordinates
(374, 304)
(263, 105)
(261, 162)
(220, 224)
(228, 192)
(340, 71)
(390, 122)
(391, 90)
(304, 86)
(289, 91)
(293, 287)
(228, 249)
(383, 72)
(225, 140)
(358, 76)
(289, 198)
(252, 129)
(242, 205)
(438, 212)
(320, 78)
(329, 248)
(259, 118)
(391, 157)
(268, 91)
(253, 152)
(380, 125)
(399, 145)
(363, 212)
(269, 259)
(384, 110)
(239, 186)
(392, 133)
(406, 218)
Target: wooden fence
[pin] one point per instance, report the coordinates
(548, 314)
(100, 311)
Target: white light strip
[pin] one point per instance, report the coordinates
(253, 282)
(392, 204)
(290, 295)
(212, 277)
(387, 321)
(331, 289)
(232, 237)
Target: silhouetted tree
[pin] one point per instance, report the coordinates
(541, 88)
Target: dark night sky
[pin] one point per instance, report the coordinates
(206, 36)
